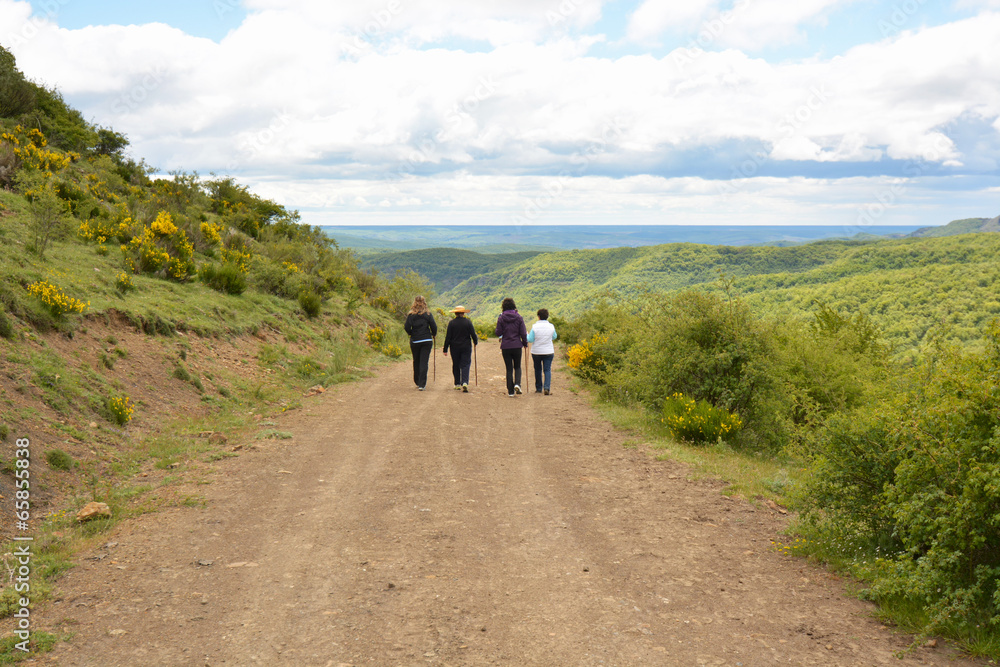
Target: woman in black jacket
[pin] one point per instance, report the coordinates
(422, 329)
(460, 337)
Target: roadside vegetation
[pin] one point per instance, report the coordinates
(892, 466)
(147, 324)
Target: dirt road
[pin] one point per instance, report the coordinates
(400, 527)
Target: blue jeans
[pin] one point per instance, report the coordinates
(543, 364)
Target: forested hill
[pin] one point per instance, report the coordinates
(444, 267)
(906, 285)
(966, 226)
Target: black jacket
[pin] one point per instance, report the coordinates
(461, 334)
(420, 327)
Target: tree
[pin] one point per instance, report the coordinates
(49, 215)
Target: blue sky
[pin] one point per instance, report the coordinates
(828, 112)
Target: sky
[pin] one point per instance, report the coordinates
(518, 112)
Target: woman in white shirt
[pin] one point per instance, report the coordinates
(542, 351)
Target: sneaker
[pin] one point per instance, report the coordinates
(458, 387)
(547, 392)
(517, 389)
(465, 388)
(420, 388)
(511, 395)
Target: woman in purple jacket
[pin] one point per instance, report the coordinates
(513, 338)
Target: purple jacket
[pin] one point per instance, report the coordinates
(511, 331)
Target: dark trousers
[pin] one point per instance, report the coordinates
(461, 361)
(543, 364)
(512, 360)
(421, 355)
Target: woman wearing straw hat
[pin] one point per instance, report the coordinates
(460, 337)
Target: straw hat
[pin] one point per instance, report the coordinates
(460, 309)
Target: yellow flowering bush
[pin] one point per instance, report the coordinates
(29, 147)
(149, 251)
(586, 358)
(121, 409)
(698, 420)
(212, 233)
(98, 230)
(123, 282)
(163, 225)
(147, 256)
(376, 338)
(238, 257)
(57, 301)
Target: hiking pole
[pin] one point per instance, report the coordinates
(524, 380)
(476, 357)
(434, 354)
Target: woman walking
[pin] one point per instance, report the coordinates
(542, 350)
(513, 338)
(422, 329)
(460, 337)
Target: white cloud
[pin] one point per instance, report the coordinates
(745, 24)
(654, 17)
(386, 126)
(761, 23)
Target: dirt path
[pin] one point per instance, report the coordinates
(438, 528)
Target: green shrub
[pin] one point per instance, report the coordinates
(4, 432)
(59, 459)
(181, 373)
(311, 303)
(6, 327)
(226, 278)
(919, 472)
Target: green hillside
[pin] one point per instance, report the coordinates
(965, 226)
(906, 285)
(444, 267)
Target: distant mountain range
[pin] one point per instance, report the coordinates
(516, 238)
(491, 250)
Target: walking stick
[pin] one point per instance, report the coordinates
(476, 357)
(434, 354)
(524, 380)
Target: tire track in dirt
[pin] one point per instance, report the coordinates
(411, 528)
